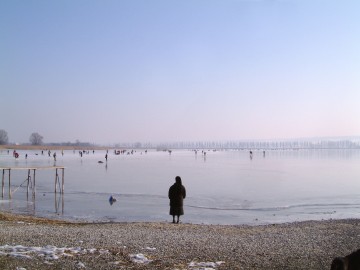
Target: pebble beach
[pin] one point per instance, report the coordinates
(36, 243)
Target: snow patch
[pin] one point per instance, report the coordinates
(49, 253)
(205, 265)
(139, 258)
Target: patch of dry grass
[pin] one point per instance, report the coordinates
(30, 219)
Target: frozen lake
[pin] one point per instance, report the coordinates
(223, 187)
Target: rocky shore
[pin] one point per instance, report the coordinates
(34, 243)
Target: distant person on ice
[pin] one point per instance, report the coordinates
(177, 194)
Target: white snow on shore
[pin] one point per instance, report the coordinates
(139, 258)
(48, 252)
(205, 265)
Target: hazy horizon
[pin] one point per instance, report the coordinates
(150, 71)
(354, 139)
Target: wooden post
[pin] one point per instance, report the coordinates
(9, 185)
(28, 182)
(56, 176)
(55, 200)
(34, 187)
(62, 185)
(3, 183)
(62, 191)
(62, 203)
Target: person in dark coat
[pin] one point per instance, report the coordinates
(177, 194)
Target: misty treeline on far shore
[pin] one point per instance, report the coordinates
(36, 139)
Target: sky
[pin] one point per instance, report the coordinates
(191, 70)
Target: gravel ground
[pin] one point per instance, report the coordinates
(302, 245)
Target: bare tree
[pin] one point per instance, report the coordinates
(3, 137)
(36, 139)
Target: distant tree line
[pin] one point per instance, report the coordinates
(4, 139)
(77, 143)
(335, 143)
(35, 138)
(285, 144)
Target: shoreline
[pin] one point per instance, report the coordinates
(51, 147)
(298, 245)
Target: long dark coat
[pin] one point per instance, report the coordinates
(177, 194)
